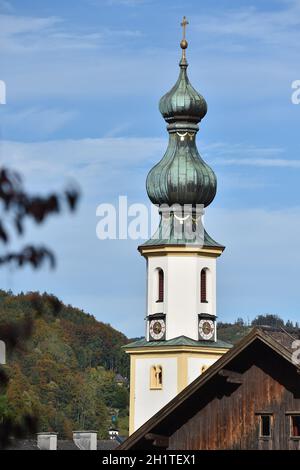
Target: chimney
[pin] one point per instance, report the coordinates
(85, 440)
(47, 441)
(2, 352)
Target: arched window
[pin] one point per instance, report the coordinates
(156, 377)
(203, 285)
(160, 286)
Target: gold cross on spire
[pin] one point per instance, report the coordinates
(184, 43)
(184, 24)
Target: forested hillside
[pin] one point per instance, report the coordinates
(65, 372)
(234, 332)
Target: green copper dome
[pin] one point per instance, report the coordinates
(183, 102)
(182, 177)
(182, 183)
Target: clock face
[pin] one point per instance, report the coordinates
(206, 329)
(157, 329)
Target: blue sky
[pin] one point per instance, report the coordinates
(83, 83)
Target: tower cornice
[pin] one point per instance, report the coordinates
(177, 250)
(177, 349)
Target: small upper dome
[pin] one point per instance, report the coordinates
(183, 102)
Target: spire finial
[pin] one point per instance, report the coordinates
(184, 43)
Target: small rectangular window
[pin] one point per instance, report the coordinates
(295, 425)
(156, 378)
(265, 426)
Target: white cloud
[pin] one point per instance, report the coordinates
(274, 27)
(260, 162)
(44, 122)
(241, 150)
(118, 130)
(19, 34)
(233, 154)
(105, 167)
(14, 25)
(81, 78)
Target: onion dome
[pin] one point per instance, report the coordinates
(183, 102)
(182, 177)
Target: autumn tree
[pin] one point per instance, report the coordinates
(16, 207)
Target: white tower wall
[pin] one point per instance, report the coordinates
(182, 300)
(180, 368)
(154, 399)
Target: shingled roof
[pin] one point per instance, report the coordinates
(179, 341)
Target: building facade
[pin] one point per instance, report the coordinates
(248, 400)
(181, 330)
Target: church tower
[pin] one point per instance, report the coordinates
(181, 330)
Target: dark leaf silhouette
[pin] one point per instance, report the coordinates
(19, 205)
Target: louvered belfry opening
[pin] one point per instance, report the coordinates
(203, 289)
(160, 286)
